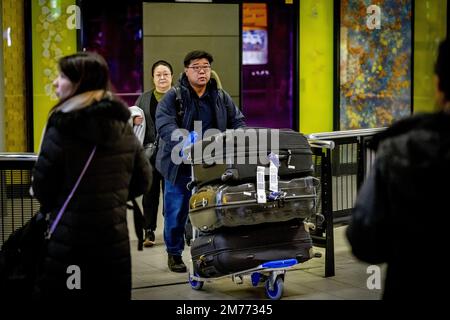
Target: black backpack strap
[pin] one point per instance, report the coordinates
(226, 106)
(179, 106)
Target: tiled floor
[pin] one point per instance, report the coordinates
(153, 280)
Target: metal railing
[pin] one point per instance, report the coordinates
(342, 161)
(16, 204)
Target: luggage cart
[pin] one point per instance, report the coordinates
(271, 273)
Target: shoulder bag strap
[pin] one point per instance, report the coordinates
(63, 208)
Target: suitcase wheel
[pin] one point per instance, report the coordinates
(196, 285)
(274, 290)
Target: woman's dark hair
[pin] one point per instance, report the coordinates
(161, 63)
(442, 68)
(86, 70)
(197, 54)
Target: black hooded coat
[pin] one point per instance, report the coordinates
(402, 210)
(91, 240)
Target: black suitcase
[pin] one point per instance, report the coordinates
(231, 250)
(232, 156)
(215, 206)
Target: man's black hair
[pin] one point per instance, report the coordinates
(197, 54)
(442, 68)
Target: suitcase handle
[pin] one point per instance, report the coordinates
(286, 157)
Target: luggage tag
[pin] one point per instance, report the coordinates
(273, 171)
(260, 185)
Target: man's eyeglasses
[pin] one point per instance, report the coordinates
(198, 68)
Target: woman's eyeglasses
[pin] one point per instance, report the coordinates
(162, 75)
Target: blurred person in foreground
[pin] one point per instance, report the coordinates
(402, 209)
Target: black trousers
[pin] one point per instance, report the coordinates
(150, 201)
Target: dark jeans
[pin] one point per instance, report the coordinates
(176, 210)
(150, 201)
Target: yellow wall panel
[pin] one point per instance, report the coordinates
(14, 75)
(52, 38)
(316, 66)
(430, 25)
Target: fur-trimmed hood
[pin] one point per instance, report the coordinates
(101, 123)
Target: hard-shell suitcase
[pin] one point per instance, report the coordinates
(215, 206)
(231, 250)
(232, 156)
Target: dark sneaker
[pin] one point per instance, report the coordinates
(149, 239)
(176, 264)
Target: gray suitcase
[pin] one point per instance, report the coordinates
(217, 206)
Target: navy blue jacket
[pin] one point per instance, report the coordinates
(227, 114)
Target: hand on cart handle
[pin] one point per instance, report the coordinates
(188, 142)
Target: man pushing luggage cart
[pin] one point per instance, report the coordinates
(246, 225)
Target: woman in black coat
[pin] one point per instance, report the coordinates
(88, 255)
